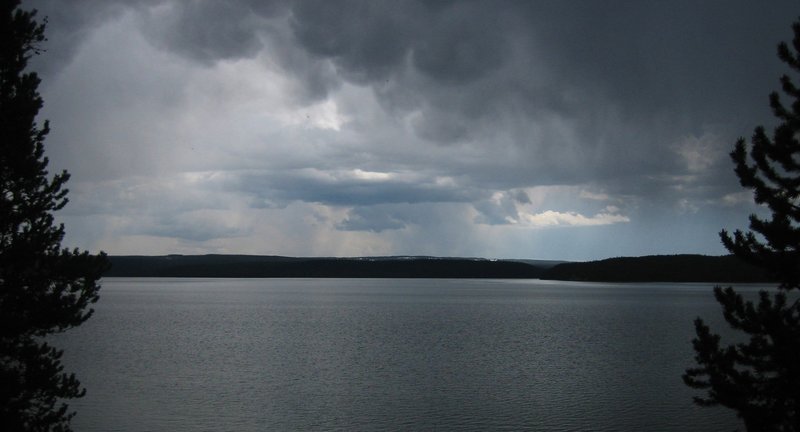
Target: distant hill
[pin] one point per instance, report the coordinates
(656, 268)
(256, 266)
(544, 264)
(659, 268)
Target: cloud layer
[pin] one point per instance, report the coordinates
(563, 130)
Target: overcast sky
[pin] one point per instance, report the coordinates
(569, 130)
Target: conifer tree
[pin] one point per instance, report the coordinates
(44, 289)
(759, 377)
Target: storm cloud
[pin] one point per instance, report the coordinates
(563, 129)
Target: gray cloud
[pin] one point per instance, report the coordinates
(382, 111)
(499, 211)
(521, 197)
(189, 227)
(348, 188)
(207, 31)
(366, 40)
(373, 218)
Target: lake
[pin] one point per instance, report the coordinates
(390, 354)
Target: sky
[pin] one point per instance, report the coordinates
(565, 130)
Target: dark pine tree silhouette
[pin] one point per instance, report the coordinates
(44, 289)
(759, 378)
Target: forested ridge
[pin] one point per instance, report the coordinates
(253, 266)
(662, 268)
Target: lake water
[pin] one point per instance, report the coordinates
(388, 354)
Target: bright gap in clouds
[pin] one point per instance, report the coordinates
(509, 130)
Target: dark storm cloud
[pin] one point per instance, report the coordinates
(462, 104)
(208, 31)
(664, 67)
(476, 70)
(628, 79)
(69, 23)
(367, 40)
(677, 61)
(456, 42)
